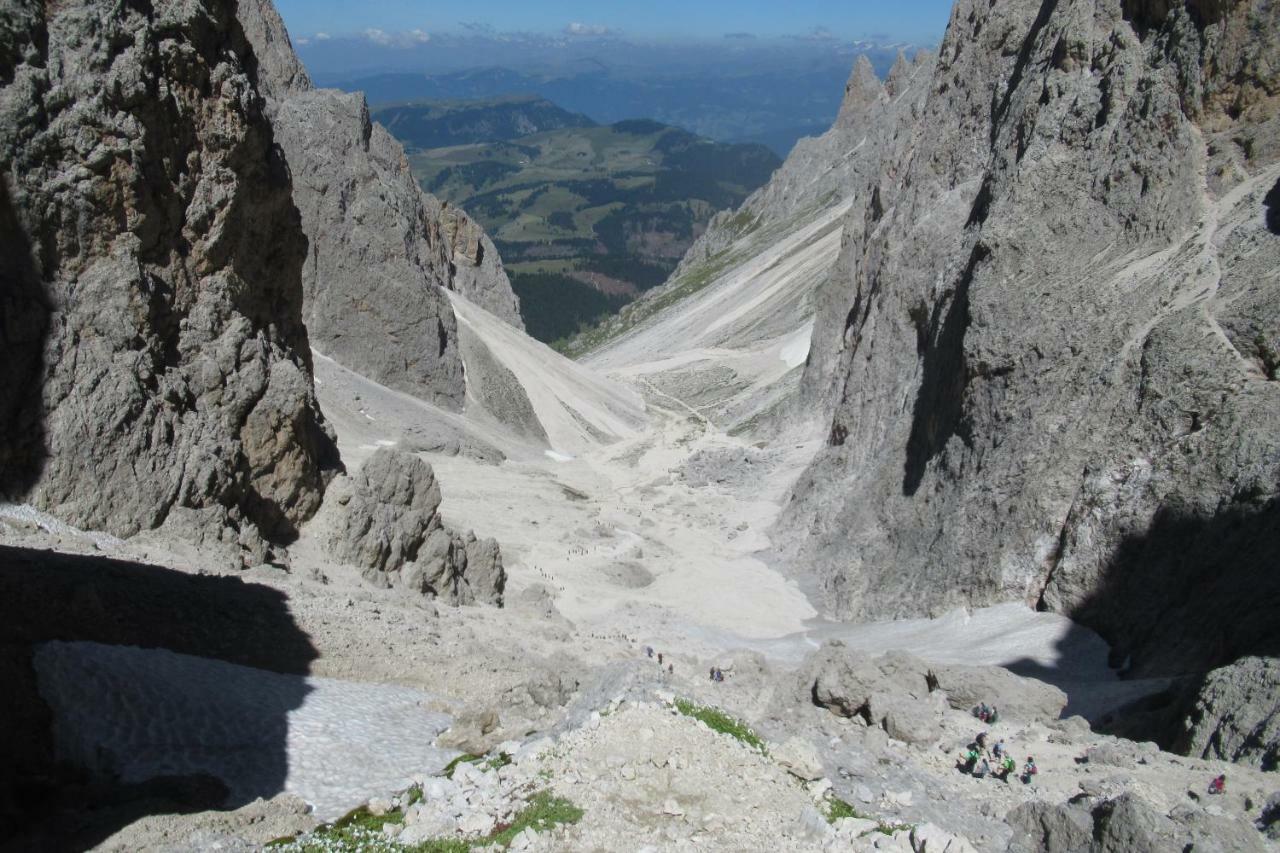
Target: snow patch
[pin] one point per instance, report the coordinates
(558, 457)
(796, 349)
(30, 515)
(136, 714)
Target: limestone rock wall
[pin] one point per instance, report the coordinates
(381, 250)
(1049, 347)
(155, 361)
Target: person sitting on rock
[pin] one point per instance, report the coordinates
(998, 750)
(1218, 785)
(1028, 770)
(1006, 768)
(982, 712)
(968, 760)
(981, 741)
(994, 716)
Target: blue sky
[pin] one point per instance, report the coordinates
(904, 19)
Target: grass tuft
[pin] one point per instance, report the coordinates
(542, 813)
(719, 721)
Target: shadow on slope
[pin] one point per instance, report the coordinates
(1188, 595)
(46, 596)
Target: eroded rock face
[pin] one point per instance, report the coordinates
(1044, 347)
(388, 524)
(381, 250)
(156, 362)
(1236, 716)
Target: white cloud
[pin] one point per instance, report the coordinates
(323, 36)
(579, 29)
(302, 41)
(383, 38)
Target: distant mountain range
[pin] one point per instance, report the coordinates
(586, 217)
(772, 106)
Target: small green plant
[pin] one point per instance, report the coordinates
(358, 829)
(465, 757)
(835, 809)
(543, 812)
(719, 721)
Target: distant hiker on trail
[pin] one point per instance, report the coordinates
(648, 651)
(671, 669)
(968, 760)
(1218, 785)
(713, 674)
(659, 658)
(1029, 770)
(1006, 767)
(719, 674)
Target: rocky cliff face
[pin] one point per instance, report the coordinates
(156, 366)
(1053, 336)
(380, 248)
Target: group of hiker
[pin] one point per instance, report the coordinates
(649, 652)
(998, 763)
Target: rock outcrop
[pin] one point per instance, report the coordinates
(155, 363)
(389, 525)
(1048, 348)
(906, 696)
(1236, 715)
(1124, 824)
(381, 250)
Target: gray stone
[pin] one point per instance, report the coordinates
(388, 524)
(155, 361)
(1017, 698)
(1236, 715)
(800, 758)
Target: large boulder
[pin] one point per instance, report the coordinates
(388, 524)
(891, 690)
(1016, 697)
(153, 357)
(1236, 715)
